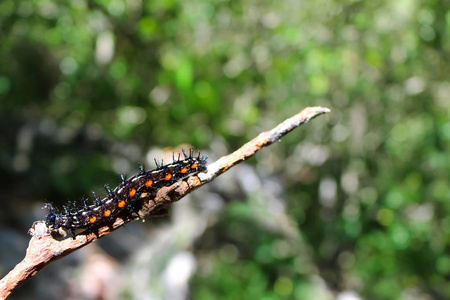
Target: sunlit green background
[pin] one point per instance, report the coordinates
(354, 205)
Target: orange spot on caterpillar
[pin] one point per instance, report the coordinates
(194, 166)
(92, 219)
(183, 170)
(121, 203)
(168, 177)
(149, 183)
(107, 213)
(132, 192)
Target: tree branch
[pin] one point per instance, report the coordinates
(43, 249)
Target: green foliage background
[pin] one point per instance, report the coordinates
(87, 84)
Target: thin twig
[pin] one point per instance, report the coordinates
(43, 249)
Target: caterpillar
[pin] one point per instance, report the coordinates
(125, 199)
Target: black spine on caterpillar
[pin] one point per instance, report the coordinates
(124, 200)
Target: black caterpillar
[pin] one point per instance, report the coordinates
(124, 200)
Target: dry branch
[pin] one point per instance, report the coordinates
(43, 249)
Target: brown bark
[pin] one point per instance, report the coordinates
(43, 249)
